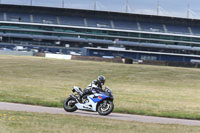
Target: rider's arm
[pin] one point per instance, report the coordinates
(93, 84)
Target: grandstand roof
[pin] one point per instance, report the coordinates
(110, 14)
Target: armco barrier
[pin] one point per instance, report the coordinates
(117, 60)
(93, 58)
(159, 63)
(175, 64)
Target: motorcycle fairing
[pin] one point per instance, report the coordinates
(92, 102)
(99, 98)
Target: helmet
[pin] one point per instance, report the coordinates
(101, 79)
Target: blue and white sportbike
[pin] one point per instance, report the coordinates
(101, 102)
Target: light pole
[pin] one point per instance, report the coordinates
(31, 2)
(188, 9)
(126, 6)
(95, 4)
(63, 3)
(158, 7)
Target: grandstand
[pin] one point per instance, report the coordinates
(65, 30)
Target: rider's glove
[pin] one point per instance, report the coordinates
(93, 91)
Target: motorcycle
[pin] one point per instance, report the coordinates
(101, 102)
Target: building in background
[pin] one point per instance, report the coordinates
(59, 30)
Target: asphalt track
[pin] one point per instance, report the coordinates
(115, 116)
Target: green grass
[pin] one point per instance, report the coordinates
(21, 122)
(138, 89)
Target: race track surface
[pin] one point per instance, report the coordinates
(116, 116)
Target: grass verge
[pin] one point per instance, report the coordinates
(22, 122)
(138, 89)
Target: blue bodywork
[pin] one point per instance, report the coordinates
(101, 97)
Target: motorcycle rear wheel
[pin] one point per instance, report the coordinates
(103, 109)
(69, 104)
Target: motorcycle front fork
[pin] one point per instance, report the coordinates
(104, 103)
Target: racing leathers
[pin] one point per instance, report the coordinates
(93, 87)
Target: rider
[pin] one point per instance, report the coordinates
(94, 86)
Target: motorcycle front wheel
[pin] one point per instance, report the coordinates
(105, 108)
(69, 104)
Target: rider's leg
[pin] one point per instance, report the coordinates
(86, 92)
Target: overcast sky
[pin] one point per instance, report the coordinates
(167, 7)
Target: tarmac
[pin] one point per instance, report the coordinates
(115, 116)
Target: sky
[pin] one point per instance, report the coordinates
(177, 8)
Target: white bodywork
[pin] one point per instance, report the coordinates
(77, 90)
(90, 105)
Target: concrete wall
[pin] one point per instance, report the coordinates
(20, 53)
(58, 56)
